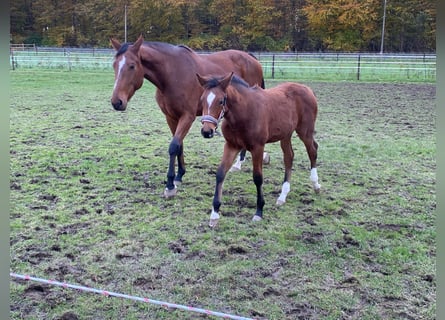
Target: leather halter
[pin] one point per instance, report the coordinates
(211, 119)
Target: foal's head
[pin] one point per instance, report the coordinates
(213, 102)
(128, 73)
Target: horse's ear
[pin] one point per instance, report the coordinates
(226, 81)
(201, 79)
(115, 44)
(137, 44)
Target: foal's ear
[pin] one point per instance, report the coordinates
(115, 44)
(224, 83)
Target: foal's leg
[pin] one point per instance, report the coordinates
(257, 162)
(288, 158)
(311, 148)
(226, 161)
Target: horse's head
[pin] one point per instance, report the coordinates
(213, 102)
(128, 73)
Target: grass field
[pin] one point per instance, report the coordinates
(86, 208)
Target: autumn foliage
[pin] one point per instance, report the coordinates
(257, 25)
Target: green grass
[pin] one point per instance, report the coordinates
(86, 208)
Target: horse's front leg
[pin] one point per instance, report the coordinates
(227, 159)
(257, 162)
(176, 151)
(241, 158)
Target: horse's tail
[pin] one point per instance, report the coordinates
(262, 78)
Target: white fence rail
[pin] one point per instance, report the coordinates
(280, 66)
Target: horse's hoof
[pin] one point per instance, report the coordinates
(256, 218)
(266, 158)
(280, 202)
(317, 188)
(177, 183)
(234, 168)
(213, 223)
(170, 193)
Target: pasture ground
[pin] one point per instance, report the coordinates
(86, 208)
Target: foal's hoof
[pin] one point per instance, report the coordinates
(317, 188)
(235, 168)
(266, 158)
(256, 218)
(177, 183)
(169, 193)
(213, 223)
(280, 202)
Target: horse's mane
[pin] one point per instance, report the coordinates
(156, 44)
(239, 81)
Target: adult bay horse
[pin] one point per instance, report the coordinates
(172, 69)
(253, 117)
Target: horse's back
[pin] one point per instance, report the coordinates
(244, 64)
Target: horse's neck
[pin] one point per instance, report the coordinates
(238, 101)
(161, 65)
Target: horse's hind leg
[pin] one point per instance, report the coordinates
(288, 158)
(311, 148)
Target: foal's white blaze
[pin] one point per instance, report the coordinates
(121, 65)
(314, 179)
(210, 98)
(284, 191)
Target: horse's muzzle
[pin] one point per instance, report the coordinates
(118, 105)
(207, 133)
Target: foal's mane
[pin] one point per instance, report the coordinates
(213, 82)
(155, 44)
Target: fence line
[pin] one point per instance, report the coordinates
(126, 296)
(279, 66)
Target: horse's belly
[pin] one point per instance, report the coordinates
(278, 133)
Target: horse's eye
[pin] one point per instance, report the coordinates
(221, 102)
(132, 66)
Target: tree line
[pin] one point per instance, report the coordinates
(254, 25)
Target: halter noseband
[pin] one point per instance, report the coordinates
(211, 119)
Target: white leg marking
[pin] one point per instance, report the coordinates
(284, 191)
(170, 193)
(314, 180)
(214, 218)
(256, 218)
(237, 165)
(266, 158)
(121, 65)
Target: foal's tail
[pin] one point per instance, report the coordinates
(262, 79)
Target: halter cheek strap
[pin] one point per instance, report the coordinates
(211, 119)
